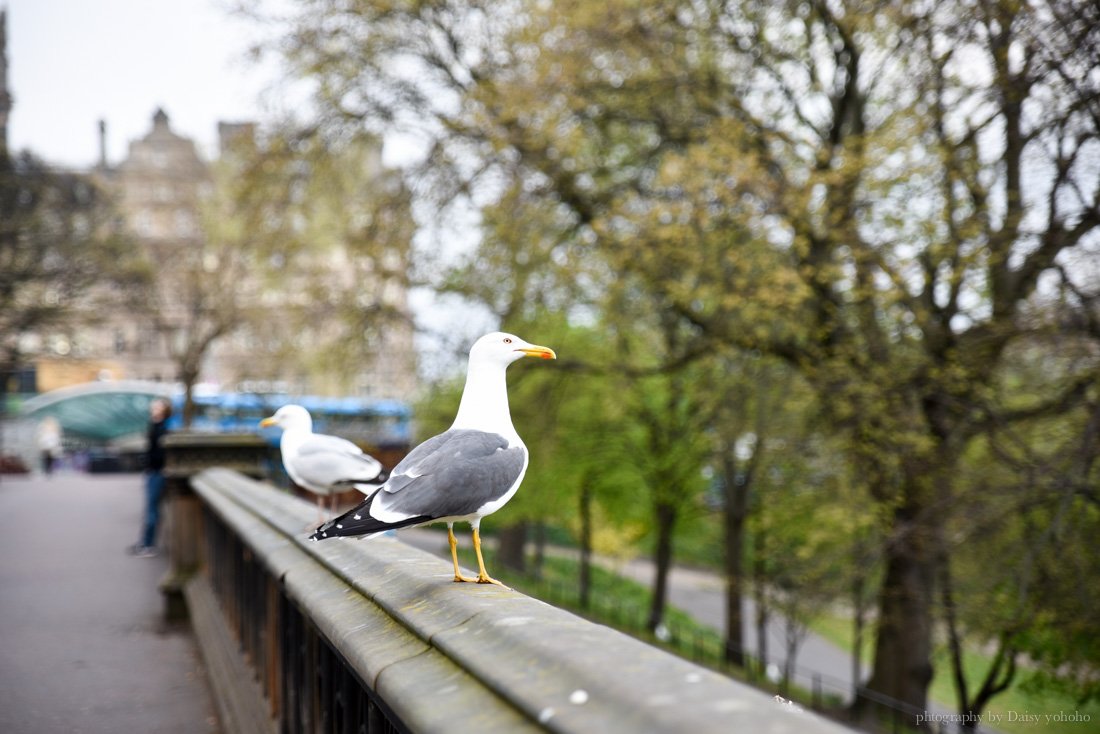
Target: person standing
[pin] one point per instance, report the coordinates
(159, 412)
(49, 443)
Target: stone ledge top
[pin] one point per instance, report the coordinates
(561, 672)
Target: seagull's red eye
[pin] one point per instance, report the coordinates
(507, 341)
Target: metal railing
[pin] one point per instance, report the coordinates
(308, 685)
(348, 636)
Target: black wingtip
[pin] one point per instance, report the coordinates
(322, 531)
(358, 522)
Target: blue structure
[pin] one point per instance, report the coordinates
(101, 413)
(383, 423)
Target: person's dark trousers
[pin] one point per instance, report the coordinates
(154, 488)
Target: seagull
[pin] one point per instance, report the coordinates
(324, 465)
(465, 473)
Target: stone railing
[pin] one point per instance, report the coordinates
(373, 636)
(187, 455)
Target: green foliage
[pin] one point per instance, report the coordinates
(854, 190)
(324, 231)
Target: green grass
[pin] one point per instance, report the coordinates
(838, 630)
(1014, 700)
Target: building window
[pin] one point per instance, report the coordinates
(143, 224)
(185, 223)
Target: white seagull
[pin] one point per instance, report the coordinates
(323, 465)
(465, 473)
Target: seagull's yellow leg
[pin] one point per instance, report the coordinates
(454, 555)
(482, 577)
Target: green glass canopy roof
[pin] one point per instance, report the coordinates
(98, 411)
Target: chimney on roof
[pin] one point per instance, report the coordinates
(5, 95)
(103, 144)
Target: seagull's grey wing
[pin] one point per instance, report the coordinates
(418, 461)
(323, 444)
(438, 452)
(327, 461)
(457, 476)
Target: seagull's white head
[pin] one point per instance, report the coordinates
(499, 348)
(289, 417)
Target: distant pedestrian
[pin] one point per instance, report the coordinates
(49, 443)
(159, 412)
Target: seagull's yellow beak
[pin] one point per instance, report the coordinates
(267, 422)
(534, 351)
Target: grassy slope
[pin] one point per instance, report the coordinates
(1014, 701)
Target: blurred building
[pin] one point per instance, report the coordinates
(158, 190)
(162, 189)
(162, 192)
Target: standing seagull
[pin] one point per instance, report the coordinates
(465, 473)
(324, 465)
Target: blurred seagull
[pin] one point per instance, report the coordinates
(465, 473)
(324, 465)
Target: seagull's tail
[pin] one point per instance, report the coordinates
(357, 521)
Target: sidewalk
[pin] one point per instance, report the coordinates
(84, 648)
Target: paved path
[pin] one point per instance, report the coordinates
(83, 646)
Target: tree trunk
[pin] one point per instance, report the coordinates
(998, 677)
(858, 583)
(188, 378)
(903, 649)
(947, 596)
(540, 549)
(737, 490)
(511, 547)
(795, 633)
(665, 523)
(761, 600)
(585, 580)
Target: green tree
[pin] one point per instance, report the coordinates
(878, 195)
(1015, 577)
(670, 452)
(900, 316)
(323, 232)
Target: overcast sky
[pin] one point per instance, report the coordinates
(74, 62)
